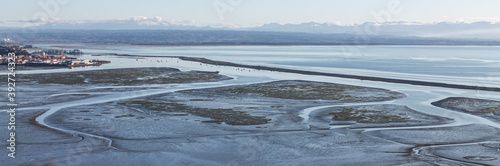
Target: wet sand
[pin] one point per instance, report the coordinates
(115, 127)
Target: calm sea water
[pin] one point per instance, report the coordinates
(457, 64)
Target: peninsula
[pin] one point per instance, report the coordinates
(44, 58)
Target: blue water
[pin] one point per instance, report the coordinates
(478, 64)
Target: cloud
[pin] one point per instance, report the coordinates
(488, 19)
(136, 21)
(139, 20)
(471, 19)
(334, 23)
(225, 25)
(403, 23)
(40, 20)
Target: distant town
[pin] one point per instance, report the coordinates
(45, 57)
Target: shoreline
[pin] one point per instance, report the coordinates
(369, 78)
(216, 134)
(315, 73)
(97, 63)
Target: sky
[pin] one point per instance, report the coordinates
(245, 13)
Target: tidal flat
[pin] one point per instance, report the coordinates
(123, 77)
(51, 88)
(222, 108)
(378, 115)
(481, 107)
(174, 117)
(231, 124)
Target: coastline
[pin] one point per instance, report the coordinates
(81, 116)
(358, 77)
(97, 63)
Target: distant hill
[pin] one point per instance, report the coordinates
(221, 37)
(474, 30)
(478, 30)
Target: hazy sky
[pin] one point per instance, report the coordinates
(253, 12)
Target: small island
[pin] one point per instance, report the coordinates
(46, 57)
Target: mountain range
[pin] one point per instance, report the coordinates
(479, 30)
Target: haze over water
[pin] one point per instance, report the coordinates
(471, 65)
